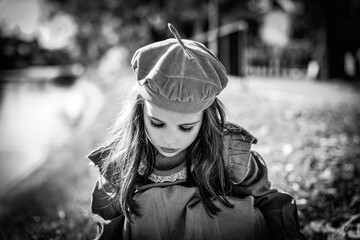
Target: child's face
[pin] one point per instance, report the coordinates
(171, 132)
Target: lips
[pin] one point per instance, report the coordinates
(168, 150)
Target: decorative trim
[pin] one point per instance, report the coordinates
(170, 178)
(157, 178)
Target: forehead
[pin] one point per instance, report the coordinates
(165, 115)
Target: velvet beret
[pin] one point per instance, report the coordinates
(178, 75)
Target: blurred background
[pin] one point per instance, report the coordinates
(294, 69)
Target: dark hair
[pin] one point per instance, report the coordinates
(206, 158)
(128, 145)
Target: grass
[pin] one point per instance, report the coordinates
(312, 151)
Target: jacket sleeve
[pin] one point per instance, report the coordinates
(105, 211)
(248, 173)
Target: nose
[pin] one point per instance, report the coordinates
(170, 138)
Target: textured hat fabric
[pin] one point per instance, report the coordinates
(178, 75)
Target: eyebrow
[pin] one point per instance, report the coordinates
(187, 124)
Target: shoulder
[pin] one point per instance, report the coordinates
(237, 151)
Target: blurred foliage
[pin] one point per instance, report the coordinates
(324, 30)
(104, 24)
(319, 164)
(16, 53)
(326, 172)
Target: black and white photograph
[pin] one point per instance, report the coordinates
(179, 119)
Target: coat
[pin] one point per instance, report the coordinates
(277, 218)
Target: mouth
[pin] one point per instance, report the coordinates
(168, 150)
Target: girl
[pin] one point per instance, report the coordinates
(174, 168)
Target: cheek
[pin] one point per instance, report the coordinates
(191, 137)
(150, 131)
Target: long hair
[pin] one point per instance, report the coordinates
(208, 170)
(127, 145)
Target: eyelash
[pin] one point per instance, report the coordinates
(157, 125)
(186, 129)
(162, 125)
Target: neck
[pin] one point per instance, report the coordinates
(166, 163)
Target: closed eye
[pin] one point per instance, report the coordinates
(155, 125)
(186, 129)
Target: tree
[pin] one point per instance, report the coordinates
(329, 25)
(103, 24)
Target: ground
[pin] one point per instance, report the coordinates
(309, 136)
